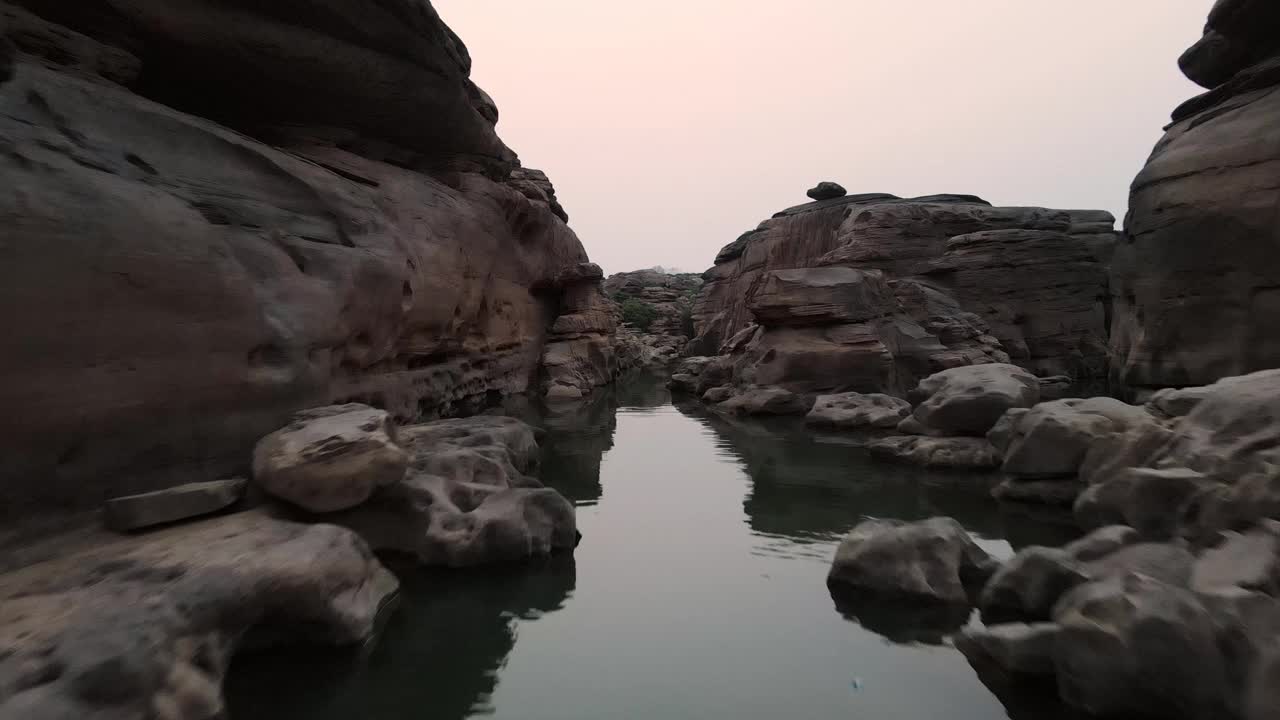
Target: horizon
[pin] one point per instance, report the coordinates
(662, 153)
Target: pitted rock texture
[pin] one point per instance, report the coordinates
(144, 627)
(226, 213)
(871, 293)
(468, 498)
(1196, 280)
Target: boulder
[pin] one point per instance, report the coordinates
(1196, 285)
(1250, 561)
(136, 512)
(145, 626)
(1208, 471)
(957, 453)
(826, 190)
(1015, 648)
(330, 458)
(717, 395)
(467, 499)
(970, 400)
(1062, 492)
(1102, 542)
(683, 383)
(852, 411)
(766, 401)
(932, 561)
(1028, 586)
(1052, 438)
(1124, 648)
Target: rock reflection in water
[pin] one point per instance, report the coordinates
(437, 657)
(812, 488)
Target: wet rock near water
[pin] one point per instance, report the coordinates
(330, 458)
(970, 400)
(145, 626)
(944, 453)
(855, 411)
(931, 562)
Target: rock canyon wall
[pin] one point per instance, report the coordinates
(218, 213)
(871, 293)
(1197, 278)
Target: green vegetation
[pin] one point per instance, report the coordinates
(637, 314)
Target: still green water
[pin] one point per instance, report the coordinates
(698, 592)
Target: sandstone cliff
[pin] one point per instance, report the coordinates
(873, 292)
(1196, 283)
(220, 212)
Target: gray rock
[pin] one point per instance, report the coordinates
(145, 626)
(1027, 587)
(1015, 648)
(683, 382)
(330, 458)
(1102, 542)
(970, 400)
(1250, 561)
(1164, 562)
(959, 453)
(1053, 438)
(821, 296)
(135, 512)
(1124, 646)
(1002, 433)
(1054, 491)
(766, 401)
(826, 190)
(467, 499)
(717, 395)
(932, 561)
(852, 411)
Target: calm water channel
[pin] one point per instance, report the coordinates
(698, 592)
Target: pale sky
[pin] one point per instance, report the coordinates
(669, 127)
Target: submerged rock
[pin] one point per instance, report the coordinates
(957, 453)
(852, 411)
(330, 458)
(1015, 648)
(932, 561)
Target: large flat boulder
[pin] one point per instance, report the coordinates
(330, 458)
(970, 400)
(947, 453)
(853, 411)
(821, 296)
(145, 626)
(137, 512)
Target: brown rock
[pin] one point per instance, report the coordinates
(135, 512)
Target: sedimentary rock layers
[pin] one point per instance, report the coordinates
(1197, 278)
(218, 215)
(956, 282)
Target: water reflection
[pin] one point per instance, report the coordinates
(807, 488)
(437, 657)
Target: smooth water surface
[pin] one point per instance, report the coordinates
(698, 592)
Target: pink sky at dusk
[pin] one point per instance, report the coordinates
(669, 127)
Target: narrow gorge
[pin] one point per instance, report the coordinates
(320, 409)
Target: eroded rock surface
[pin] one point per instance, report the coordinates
(871, 293)
(468, 498)
(1196, 281)
(145, 626)
(245, 211)
(854, 411)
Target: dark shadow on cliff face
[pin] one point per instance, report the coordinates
(813, 487)
(438, 655)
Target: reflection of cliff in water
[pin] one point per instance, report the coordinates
(808, 487)
(437, 657)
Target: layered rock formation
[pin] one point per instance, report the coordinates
(1196, 286)
(871, 293)
(220, 214)
(654, 309)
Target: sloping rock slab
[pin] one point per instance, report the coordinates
(144, 627)
(135, 512)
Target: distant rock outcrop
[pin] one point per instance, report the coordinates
(1196, 282)
(654, 311)
(218, 213)
(871, 293)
